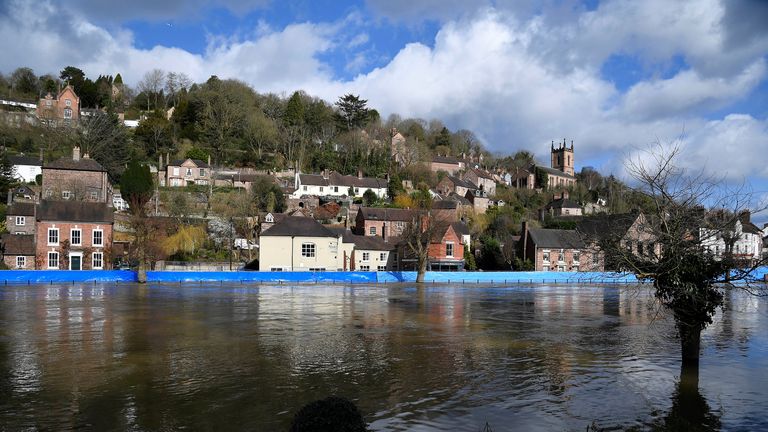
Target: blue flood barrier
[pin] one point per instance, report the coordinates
(256, 276)
(61, 276)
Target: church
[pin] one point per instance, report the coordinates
(559, 174)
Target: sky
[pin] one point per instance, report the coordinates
(614, 76)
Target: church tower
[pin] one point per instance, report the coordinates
(562, 157)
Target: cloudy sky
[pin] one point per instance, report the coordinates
(613, 76)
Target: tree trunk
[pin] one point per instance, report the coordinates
(422, 270)
(690, 344)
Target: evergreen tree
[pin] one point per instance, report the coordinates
(353, 112)
(136, 186)
(7, 177)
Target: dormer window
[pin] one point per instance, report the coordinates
(269, 218)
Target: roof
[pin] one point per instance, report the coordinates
(313, 180)
(18, 244)
(21, 209)
(561, 203)
(75, 211)
(446, 160)
(82, 164)
(25, 160)
(603, 226)
(372, 243)
(461, 228)
(461, 183)
(198, 163)
(556, 238)
(298, 226)
(482, 173)
(554, 171)
(386, 214)
(458, 198)
(360, 182)
(445, 204)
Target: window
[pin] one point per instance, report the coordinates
(575, 268)
(21, 261)
(175, 171)
(372, 230)
(545, 268)
(595, 258)
(189, 172)
(321, 188)
(366, 256)
(383, 256)
(308, 250)
(75, 237)
(66, 194)
(381, 268)
(357, 191)
(48, 102)
(269, 218)
(21, 220)
(202, 172)
(53, 236)
(576, 256)
(449, 249)
(98, 237)
(335, 188)
(365, 268)
(68, 103)
(48, 193)
(560, 268)
(94, 195)
(53, 260)
(276, 269)
(316, 269)
(561, 256)
(98, 261)
(546, 256)
(67, 113)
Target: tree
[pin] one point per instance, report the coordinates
(369, 197)
(420, 230)
(104, 139)
(136, 186)
(24, 81)
(353, 112)
(7, 177)
(185, 241)
(152, 86)
(688, 279)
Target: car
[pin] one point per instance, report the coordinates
(242, 243)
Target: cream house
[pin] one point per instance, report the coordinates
(299, 243)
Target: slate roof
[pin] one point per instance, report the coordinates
(446, 160)
(336, 179)
(445, 205)
(554, 171)
(21, 209)
(462, 183)
(556, 238)
(75, 211)
(604, 226)
(313, 180)
(18, 244)
(482, 173)
(461, 228)
(197, 162)
(298, 226)
(372, 243)
(67, 163)
(561, 203)
(25, 160)
(386, 214)
(459, 199)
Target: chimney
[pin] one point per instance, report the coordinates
(209, 160)
(384, 231)
(745, 216)
(160, 162)
(359, 173)
(86, 156)
(75, 153)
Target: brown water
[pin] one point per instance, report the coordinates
(193, 357)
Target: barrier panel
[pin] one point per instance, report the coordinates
(256, 276)
(65, 276)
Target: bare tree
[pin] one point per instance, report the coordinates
(151, 85)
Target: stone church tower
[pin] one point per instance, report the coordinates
(562, 157)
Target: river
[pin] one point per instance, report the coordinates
(240, 357)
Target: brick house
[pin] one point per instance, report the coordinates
(63, 110)
(559, 250)
(383, 222)
(451, 184)
(631, 230)
(73, 235)
(19, 251)
(448, 164)
(483, 179)
(185, 172)
(446, 250)
(20, 218)
(76, 178)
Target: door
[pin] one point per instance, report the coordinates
(75, 262)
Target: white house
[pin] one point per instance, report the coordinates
(337, 185)
(26, 167)
(748, 244)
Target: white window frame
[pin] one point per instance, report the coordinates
(308, 250)
(79, 237)
(366, 256)
(561, 255)
(66, 194)
(381, 268)
(447, 253)
(304, 187)
(176, 171)
(336, 189)
(383, 256)
(67, 113)
(545, 268)
(21, 261)
(94, 195)
(202, 172)
(21, 220)
(365, 268)
(372, 231)
(93, 238)
(100, 256)
(68, 103)
(56, 231)
(55, 256)
(545, 255)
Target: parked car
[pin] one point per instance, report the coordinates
(242, 243)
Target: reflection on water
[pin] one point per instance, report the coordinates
(546, 358)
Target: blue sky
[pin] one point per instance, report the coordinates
(612, 75)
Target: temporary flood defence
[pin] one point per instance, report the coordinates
(65, 276)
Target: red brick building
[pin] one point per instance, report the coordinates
(73, 235)
(559, 250)
(382, 222)
(76, 178)
(63, 110)
(446, 250)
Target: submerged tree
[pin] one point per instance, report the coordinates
(688, 278)
(136, 186)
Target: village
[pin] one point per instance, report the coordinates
(67, 214)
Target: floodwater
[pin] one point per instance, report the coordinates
(239, 357)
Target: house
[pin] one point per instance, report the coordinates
(186, 172)
(366, 253)
(24, 193)
(383, 222)
(445, 251)
(334, 184)
(73, 235)
(559, 174)
(560, 207)
(452, 184)
(63, 110)
(18, 251)
(558, 250)
(446, 209)
(631, 230)
(118, 202)
(745, 237)
(299, 243)
(26, 168)
(20, 218)
(462, 230)
(448, 164)
(483, 179)
(399, 152)
(76, 178)
(479, 199)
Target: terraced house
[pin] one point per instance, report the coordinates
(73, 235)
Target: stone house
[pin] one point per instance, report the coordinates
(448, 164)
(559, 250)
(452, 184)
(63, 110)
(383, 222)
(26, 168)
(479, 199)
(560, 207)
(20, 218)
(299, 243)
(76, 178)
(186, 172)
(631, 230)
(18, 251)
(483, 179)
(73, 235)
